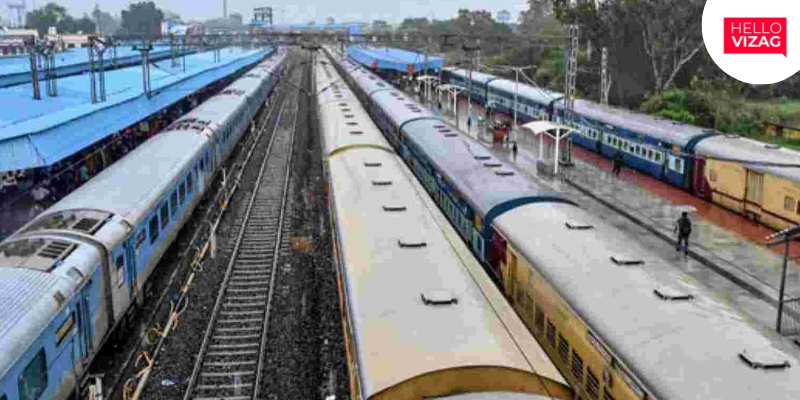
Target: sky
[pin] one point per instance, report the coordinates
(301, 11)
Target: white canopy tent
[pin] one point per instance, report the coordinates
(427, 81)
(556, 131)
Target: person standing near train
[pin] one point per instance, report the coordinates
(683, 227)
(617, 162)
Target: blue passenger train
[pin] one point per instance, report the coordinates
(74, 273)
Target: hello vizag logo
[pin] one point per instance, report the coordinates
(755, 36)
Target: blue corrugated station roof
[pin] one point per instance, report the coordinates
(38, 133)
(394, 59)
(76, 61)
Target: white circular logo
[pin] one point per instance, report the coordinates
(756, 42)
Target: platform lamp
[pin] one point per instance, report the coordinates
(783, 237)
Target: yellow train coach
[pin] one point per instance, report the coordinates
(768, 194)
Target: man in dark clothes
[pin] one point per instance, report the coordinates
(514, 150)
(683, 227)
(617, 162)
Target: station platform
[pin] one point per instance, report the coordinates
(38, 133)
(17, 70)
(397, 60)
(727, 251)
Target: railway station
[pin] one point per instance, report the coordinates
(432, 209)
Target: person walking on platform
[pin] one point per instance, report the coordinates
(617, 162)
(683, 227)
(514, 150)
(469, 123)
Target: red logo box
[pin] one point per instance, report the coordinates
(755, 36)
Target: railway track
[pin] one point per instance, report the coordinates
(229, 364)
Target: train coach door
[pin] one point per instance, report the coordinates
(755, 188)
(700, 184)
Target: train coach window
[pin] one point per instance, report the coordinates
(173, 201)
(658, 157)
(592, 383)
(539, 318)
(607, 395)
(577, 365)
(3, 397)
(120, 264)
(788, 203)
(153, 229)
(563, 348)
(649, 154)
(164, 215)
(182, 192)
(551, 332)
(189, 184)
(33, 380)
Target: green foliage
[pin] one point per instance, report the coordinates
(142, 18)
(49, 15)
(716, 105)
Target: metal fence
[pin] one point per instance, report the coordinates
(789, 323)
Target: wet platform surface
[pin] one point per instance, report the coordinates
(726, 250)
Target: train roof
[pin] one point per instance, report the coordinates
(399, 337)
(476, 75)
(736, 147)
(129, 187)
(664, 130)
(538, 95)
(346, 123)
(37, 275)
(368, 81)
(399, 107)
(680, 349)
(485, 181)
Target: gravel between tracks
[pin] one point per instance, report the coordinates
(305, 356)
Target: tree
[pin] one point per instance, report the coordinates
(49, 15)
(143, 19)
(417, 24)
(380, 25)
(669, 35)
(106, 23)
(329, 21)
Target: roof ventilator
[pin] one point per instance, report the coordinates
(450, 134)
(764, 360)
(772, 146)
(381, 183)
(731, 136)
(492, 165)
(411, 245)
(86, 225)
(504, 173)
(626, 260)
(394, 208)
(372, 164)
(671, 294)
(438, 298)
(356, 132)
(578, 226)
(57, 250)
(483, 158)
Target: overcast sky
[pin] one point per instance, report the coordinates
(303, 10)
